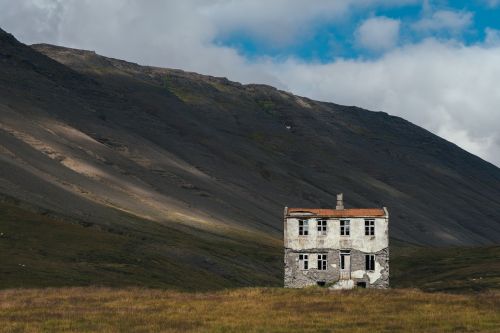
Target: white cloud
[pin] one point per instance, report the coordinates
(448, 88)
(277, 22)
(378, 33)
(445, 20)
(492, 37)
(283, 22)
(36, 19)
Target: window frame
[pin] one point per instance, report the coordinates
(303, 227)
(322, 227)
(304, 261)
(345, 227)
(369, 227)
(369, 262)
(322, 261)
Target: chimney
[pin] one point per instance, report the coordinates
(340, 201)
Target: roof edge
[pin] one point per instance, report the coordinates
(350, 212)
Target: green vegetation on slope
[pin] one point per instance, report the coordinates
(40, 251)
(446, 269)
(246, 310)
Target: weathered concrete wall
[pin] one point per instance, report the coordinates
(333, 239)
(295, 277)
(379, 278)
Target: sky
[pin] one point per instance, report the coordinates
(434, 63)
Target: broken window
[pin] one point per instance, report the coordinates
(370, 227)
(303, 227)
(304, 261)
(322, 227)
(345, 227)
(370, 262)
(322, 262)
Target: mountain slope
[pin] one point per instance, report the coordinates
(115, 145)
(376, 159)
(75, 211)
(206, 151)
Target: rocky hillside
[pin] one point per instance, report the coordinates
(120, 147)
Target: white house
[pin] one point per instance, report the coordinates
(338, 248)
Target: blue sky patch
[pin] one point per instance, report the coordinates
(462, 21)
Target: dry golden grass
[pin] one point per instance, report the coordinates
(245, 310)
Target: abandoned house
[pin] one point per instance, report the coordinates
(337, 248)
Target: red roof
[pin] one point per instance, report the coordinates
(353, 212)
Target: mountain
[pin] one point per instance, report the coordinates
(190, 173)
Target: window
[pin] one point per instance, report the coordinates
(322, 262)
(322, 227)
(370, 227)
(303, 227)
(370, 262)
(345, 229)
(304, 261)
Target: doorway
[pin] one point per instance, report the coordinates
(345, 264)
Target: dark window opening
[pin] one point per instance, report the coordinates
(370, 227)
(322, 262)
(370, 262)
(345, 227)
(303, 227)
(322, 227)
(304, 261)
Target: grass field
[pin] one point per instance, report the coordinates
(246, 310)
